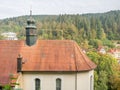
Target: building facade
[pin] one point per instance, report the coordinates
(44, 64)
(9, 36)
(68, 81)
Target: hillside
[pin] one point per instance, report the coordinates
(77, 27)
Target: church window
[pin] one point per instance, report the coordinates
(58, 84)
(0, 88)
(37, 84)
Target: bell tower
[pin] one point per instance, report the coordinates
(31, 32)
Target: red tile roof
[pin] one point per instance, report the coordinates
(45, 55)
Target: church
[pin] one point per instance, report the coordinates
(33, 64)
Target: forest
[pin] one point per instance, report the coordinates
(87, 29)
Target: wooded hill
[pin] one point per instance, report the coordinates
(90, 27)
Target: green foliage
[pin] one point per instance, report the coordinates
(115, 79)
(105, 71)
(95, 43)
(17, 89)
(7, 87)
(108, 43)
(92, 26)
(104, 42)
(1, 37)
(102, 80)
(97, 29)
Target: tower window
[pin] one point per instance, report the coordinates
(37, 84)
(58, 84)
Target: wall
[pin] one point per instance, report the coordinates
(83, 81)
(70, 81)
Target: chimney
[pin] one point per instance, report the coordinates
(19, 63)
(31, 32)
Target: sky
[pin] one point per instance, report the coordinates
(14, 8)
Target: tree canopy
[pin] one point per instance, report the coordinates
(107, 75)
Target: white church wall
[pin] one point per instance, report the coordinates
(84, 80)
(48, 81)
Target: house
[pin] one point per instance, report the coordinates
(9, 36)
(115, 53)
(101, 50)
(44, 64)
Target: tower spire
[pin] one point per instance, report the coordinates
(30, 10)
(31, 32)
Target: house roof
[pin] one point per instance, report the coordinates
(114, 50)
(45, 55)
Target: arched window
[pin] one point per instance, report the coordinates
(0, 88)
(58, 84)
(37, 84)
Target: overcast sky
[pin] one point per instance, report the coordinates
(13, 8)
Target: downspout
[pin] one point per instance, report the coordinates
(76, 70)
(76, 80)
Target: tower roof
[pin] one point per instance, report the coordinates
(30, 21)
(31, 31)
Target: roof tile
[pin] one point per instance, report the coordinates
(45, 55)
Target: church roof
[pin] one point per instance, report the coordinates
(45, 55)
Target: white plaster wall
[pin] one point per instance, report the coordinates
(83, 80)
(48, 80)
